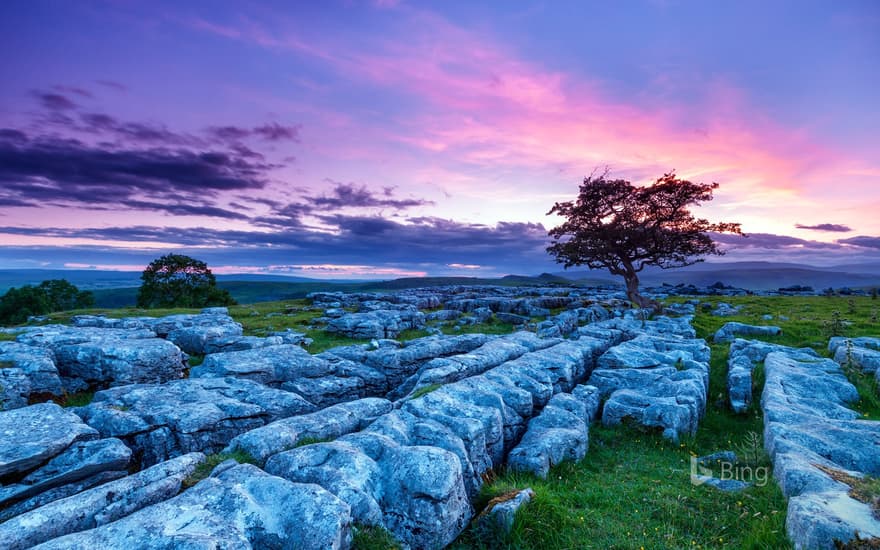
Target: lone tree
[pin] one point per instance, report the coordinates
(622, 227)
(180, 281)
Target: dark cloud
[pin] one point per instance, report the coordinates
(136, 132)
(835, 227)
(769, 240)
(863, 241)
(47, 170)
(54, 101)
(268, 132)
(349, 195)
(359, 240)
(276, 132)
(105, 163)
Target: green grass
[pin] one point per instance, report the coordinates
(204, 469)
(633, 488)
(371, 537)
(425, 390)
(78, 399)
(7, 337)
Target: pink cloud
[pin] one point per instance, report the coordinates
(485, 107)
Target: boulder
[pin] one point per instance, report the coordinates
(419, 491)
(329, 423)
(81, 460)
(31, 436)
(865, 359)
(99, 505)
(743, 356)
(200, 339)
(730, 331)
(323, 379)
(499, 514)
(491, 354)
(559, 433)
(380, 323)
(242, 507)
(817, 444)
(108, 357)
(26, 371)
(867, 342)
(193, 415)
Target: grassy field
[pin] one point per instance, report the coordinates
(633, 489)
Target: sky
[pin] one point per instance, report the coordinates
(385, 138)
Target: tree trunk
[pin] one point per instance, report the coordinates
(632, 292)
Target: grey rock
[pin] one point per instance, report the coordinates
(816, 520)
(591, 397)
(109, 357)
(377, 323)
(323, 379)
(674, 406)
(865, 359)
(498, 517)
(559, 433)
(807, 425)
(726, 310)
(444, 315)
(15, 388)
(26, 371)
(99, 505)
(64, 491)
(342, 469)
(329, 423)
(419, 490)
(512, 318)
(726, 485)
(241, 508)
(196, 414)
(491, 354)
(203, 338)
(868, 342)
(266, 365)
(30, 436)
(81, 460)
(730, 331)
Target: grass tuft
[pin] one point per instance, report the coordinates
(204, 469)
(425, 390)
(373, 537)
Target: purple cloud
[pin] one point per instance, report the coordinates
(863, 241)
(834, 227)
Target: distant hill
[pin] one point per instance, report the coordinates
(250, 291)
(755, 275)
(119, 288)
(94, 279)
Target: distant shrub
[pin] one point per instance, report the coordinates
(180, 281)
(54, 295)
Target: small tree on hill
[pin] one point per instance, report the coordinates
(175, 280)
(621, 227)
(63, 295)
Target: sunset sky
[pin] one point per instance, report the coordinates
(387, 138)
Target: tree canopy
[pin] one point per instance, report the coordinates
(175, 280)
(54, 295)
(624, 228)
